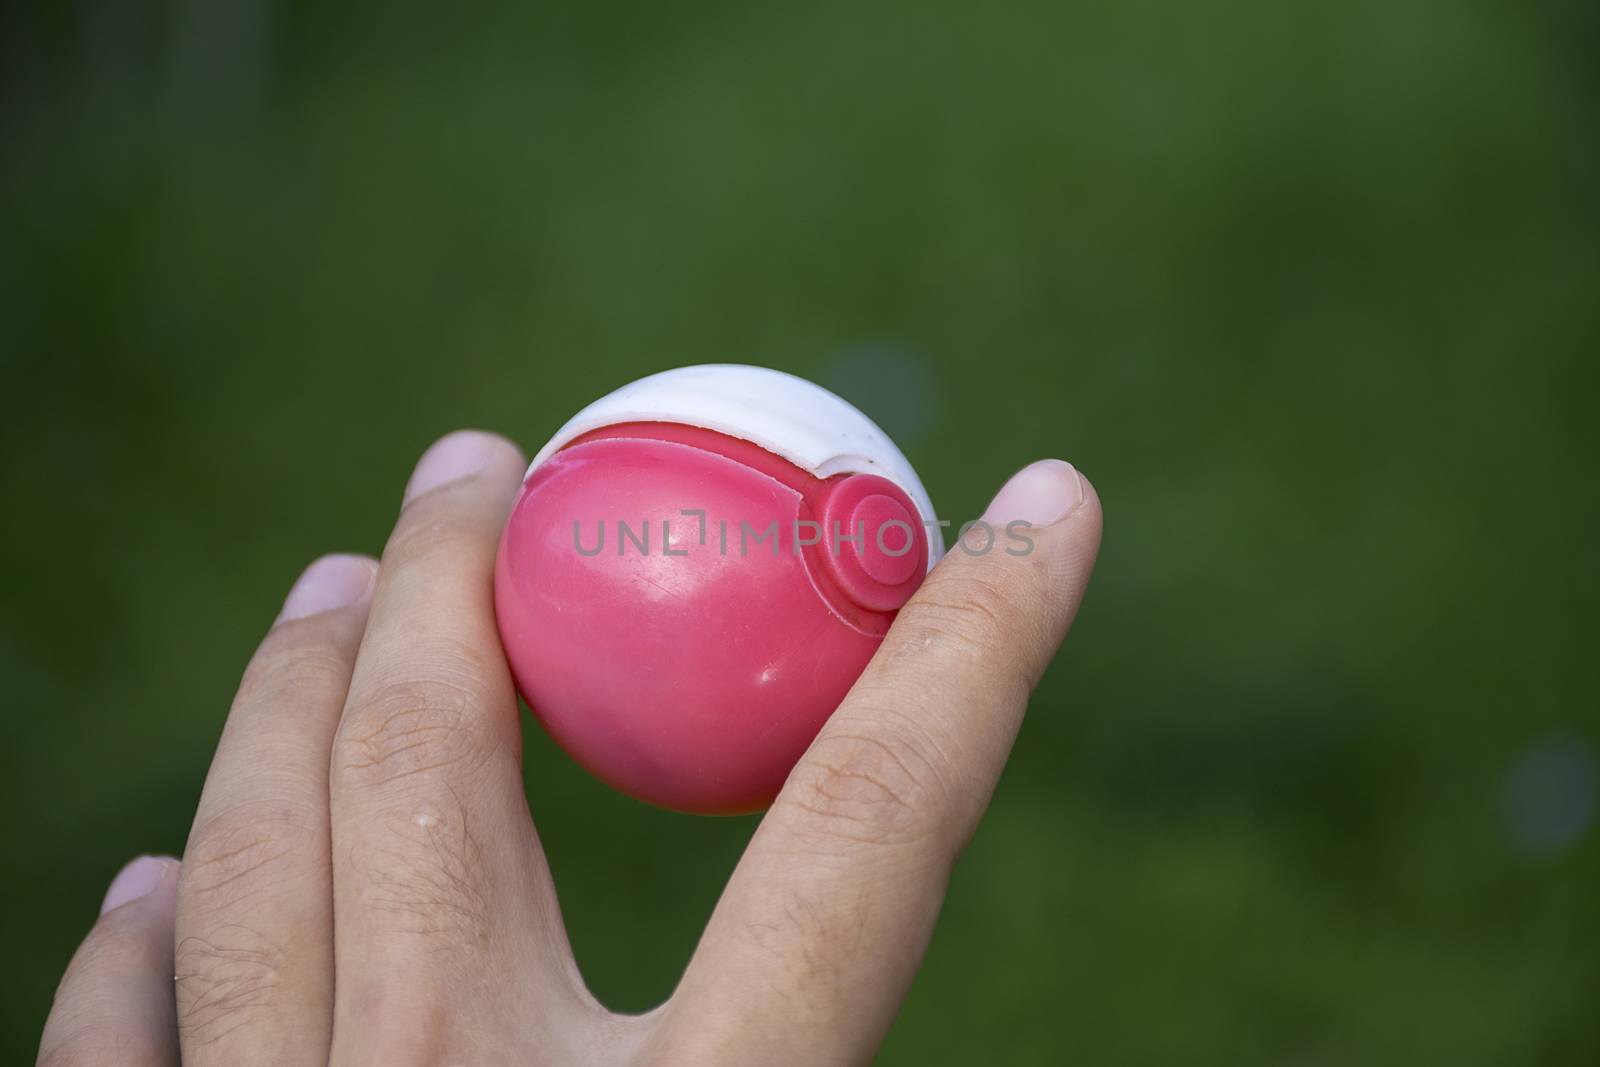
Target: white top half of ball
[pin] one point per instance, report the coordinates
(810, 427)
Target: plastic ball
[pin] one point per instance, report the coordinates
(696, 570)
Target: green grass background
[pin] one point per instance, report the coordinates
(1311, 290)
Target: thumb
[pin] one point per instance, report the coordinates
(824, 922)
(946, 693)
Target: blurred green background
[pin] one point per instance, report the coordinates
(1311, 291)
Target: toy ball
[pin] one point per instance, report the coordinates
(696, 570)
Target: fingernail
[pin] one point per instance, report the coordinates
(1040, 493)
(451, 458)
(138, 879)
(331, 582)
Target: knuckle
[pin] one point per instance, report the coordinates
(880, 786)
(430, 528)
(412, 726)
(114, 947)
(240, 851)
(224, 981)
(986, 618)
(421, 874)
(975, 608)
(289, 665)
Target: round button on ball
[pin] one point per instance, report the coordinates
(876, 549)
(890, 535)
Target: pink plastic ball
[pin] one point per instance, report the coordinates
(683, 607)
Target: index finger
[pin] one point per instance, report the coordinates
(824, 923)
(437, 868)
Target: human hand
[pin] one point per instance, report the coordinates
(363, 883)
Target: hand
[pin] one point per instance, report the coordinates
(363, 883)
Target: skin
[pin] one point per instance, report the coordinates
(363, 883)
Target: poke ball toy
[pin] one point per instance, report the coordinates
(697, 568)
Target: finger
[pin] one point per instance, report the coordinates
(826, 918)
(255, 903)
(445, 916)
(114, 1004)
